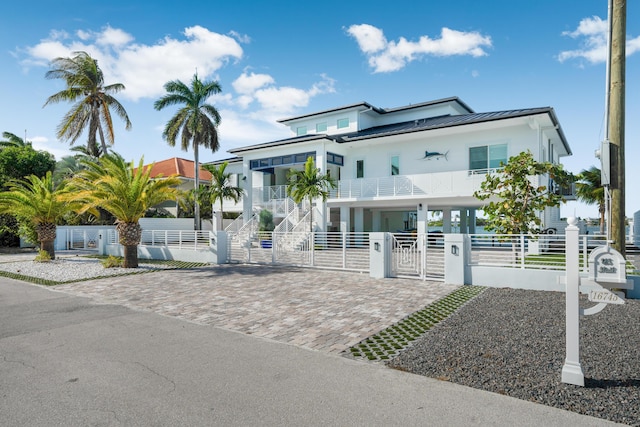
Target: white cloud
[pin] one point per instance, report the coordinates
(249, 83)
(386, 56)
(370, 39)
(592, 33)
(143, 69)
(113, 37)
(239, 130)
(272, 99)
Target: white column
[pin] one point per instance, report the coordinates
(376, 220)
(345, 219)
(572, 370)
(422, 219)
(247, 197)
(358, 219)
(446, 220)
(472, 220)
(320, 214)
(463, 221)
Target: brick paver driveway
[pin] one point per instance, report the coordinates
(318, 309)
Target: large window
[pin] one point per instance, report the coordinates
(395, 165)
(343, 123)
(487, 156)
(359, 168)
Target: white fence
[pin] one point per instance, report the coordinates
(335, 250)
(545, 252)
(182, 239)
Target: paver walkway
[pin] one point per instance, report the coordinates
(317, 309)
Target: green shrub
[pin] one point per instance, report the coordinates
(43, 256)
(111, 262)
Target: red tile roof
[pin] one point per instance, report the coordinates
(181, 167)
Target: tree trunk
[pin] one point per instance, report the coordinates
(49, 247)
(130, 256)
(196, 183)
(129, 233)
(47, 235)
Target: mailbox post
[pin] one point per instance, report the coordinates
(607, 270)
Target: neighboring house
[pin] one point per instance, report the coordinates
(185, 170)
(395, 165)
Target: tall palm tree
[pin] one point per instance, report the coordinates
(40, 202)
(221, 188)
(126, 192)
(12, 140)
(589, 190)
(196, 120)
(93, 101)
(309, 183)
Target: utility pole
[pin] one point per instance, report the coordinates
(618, 24)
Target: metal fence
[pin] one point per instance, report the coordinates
(417, 256)
(181, 239)
(332, 250)
(536, 252)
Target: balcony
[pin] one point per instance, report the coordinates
(454, 184)
(442, 184)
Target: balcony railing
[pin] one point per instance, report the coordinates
(455, 183)
(445, 184)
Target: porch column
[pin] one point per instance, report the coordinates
(345, 219)
(358, 220)
(446, 220)
(320, 214)
(422, 219)
(376, 220)
(463, 221)
(472, 221)
(247, 196)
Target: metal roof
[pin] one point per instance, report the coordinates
(366, 105)
(420, 125)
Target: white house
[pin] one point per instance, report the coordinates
(395, 165)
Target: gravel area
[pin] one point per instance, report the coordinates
(70, 269)
(512, 342)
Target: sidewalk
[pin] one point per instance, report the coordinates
(67, 360)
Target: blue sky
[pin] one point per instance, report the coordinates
(279, 59)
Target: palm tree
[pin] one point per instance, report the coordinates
(221, 188)
(125, 192)
(40, 202)
(12, 140)
(196, 120)
(92, 100)
(309, 183)
(589, 190)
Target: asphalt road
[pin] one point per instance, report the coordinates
(68, 361)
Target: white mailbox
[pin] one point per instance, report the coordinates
(607, 267)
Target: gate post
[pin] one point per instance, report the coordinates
(456, 251)
(218, 242)
(102, 242)
(379, 255)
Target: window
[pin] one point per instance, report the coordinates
(343, 123)
(335, 159)
(302, 130)
(487, 156)
(395, 165)
(359, 168)
(321, 127)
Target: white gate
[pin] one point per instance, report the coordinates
(332, 250)
(82, 238)
(417, 256)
